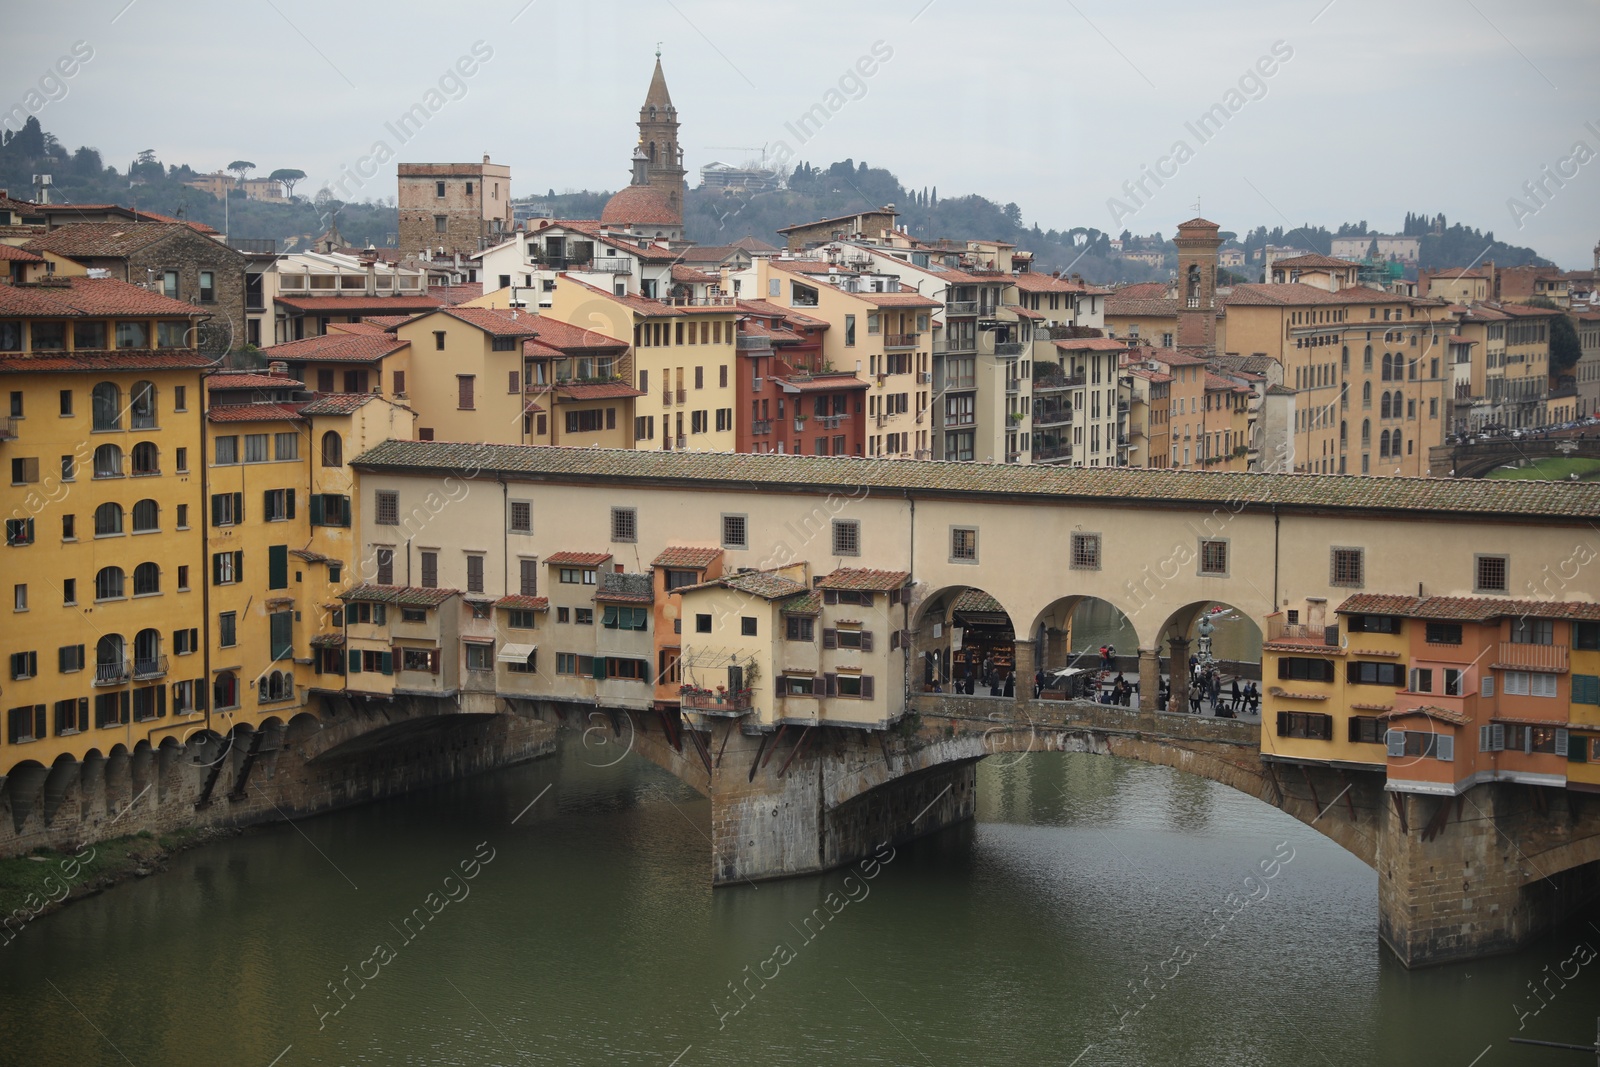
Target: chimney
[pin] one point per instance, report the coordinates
(278, 369)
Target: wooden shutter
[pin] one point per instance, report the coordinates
(866, 687)
(1562, 740)
(830, 638)
(1396, 742)
(1445, 747)
(894, 640)
(277, 566)
(464, 391)
(1283, 669)
(530, 577)
(200, 698)
(238, 564)
(830, 685)
(238, 508)
(386, 662)
(216, 568)
(1327, 670)
(611, 418)
(317, 514)
(288, 503)
(433, 660)
(515, 382)
(599, 667)
(866, 640)
(355, 661)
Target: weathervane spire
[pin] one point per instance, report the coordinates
(658, 49)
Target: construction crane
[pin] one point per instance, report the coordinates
(743, 148)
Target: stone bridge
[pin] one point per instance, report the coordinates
(1458, 877)
(1479, 460)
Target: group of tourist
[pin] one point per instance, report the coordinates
(1205, 685)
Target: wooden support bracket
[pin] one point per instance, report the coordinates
(805, 736)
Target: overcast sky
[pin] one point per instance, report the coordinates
(1379, 107)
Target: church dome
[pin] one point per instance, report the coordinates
(639, 205)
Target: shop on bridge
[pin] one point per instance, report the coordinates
(979, 652)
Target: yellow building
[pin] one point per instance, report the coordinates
(682, 367)
(1526, 381)
(104, 520)
(466, 373)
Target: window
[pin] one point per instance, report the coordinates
(528, 577)
(520, 619)
(1490, 574)
(69, 527)
(577, 575)
(1452, 682)
(849, 330)
(384, 557)
(1305, 724)
(25, 471)
(1420, 744)
(734, 532)
(1533, 631)
(227, 450)
(278, 505)
(186, 641)
(26, 723)
(255, 448)
(1306, 670)
(846, 537)
(285, 446)
(422, 659)
(1085, 552)
(146, 579)
(747, 625)
(583, 616)
(624, 525)
(1347, 567)
(505, 344)
(280, 628)
(69, 591)
(430, 569)
(227, 509)
(330, 509)
(563, 615)
(464, 387)
(1366, 729)
(386, 508)
(180, 460)
(227, 629)
(1586, 635)
(616, 617)
(963, 544)
(438, 190)
(208, 286)
(702, 624)
(19, 532)
(474, 574)
(225, 691)
(521, 516)
(227, 568)
(107, 463)
(1444, 633)
(799, 628)
(1374, 624)
(1361, 672)
(108, 583)
(1529, 684)
(1214, 558)
(1586, 689)
(132, 335)
(72, 716)
(441, 224)
(169, 284)
(180, 398)
(1421, 680)
(24, 665)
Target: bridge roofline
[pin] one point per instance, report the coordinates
(1236, 491)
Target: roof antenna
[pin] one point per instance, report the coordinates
(658, 50)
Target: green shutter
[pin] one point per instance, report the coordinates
(282, 634)
(316, 509)
(599, 666)
(355, 661)
(386, 663)
(278, 567)
(1585, 689)
(608, 618)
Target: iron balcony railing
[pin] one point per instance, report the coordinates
(951, 346)
(1010, 348)
(1045, 414)
(111, 673)
(695, 700)
(1057, 383)
(1046, 452)
(752, 342)
(900, 340)
(149, 667)
(961, 307)
(761, 426)
(830, 422)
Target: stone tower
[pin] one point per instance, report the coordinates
(658, 137)
(1197, 243)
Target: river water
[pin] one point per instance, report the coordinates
(1098, 911)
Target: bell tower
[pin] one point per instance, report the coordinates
(1197, 242)
(658, 140)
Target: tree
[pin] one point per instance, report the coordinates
(1565, 349)
(240, 168)
(86, 163)
(288, 176)
(28, 142)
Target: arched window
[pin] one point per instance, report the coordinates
(332, 449)
(107, 404)
(146, 579)
(1412, 374)
(108, 520)
(1394, 445)
(1383, 408)
(146, 516)
(1344, 432)
(146, 458)
(1344, 397)
(147, 653)
(1366, 395)
(1366, 359)
(108, 462)
(1383, 445)
(1387, 365)
(1366, 433)
(142, 406)
(1344, 359)
(110, 664)
(225, 691)
(1411, 409)
(108, 584)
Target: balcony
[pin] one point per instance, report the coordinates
(113, 673)
(1012, 457)
(1056, 383)
(1046, 452)
(959, 420)
(683, 442)
(698, 301)
(1010, 348)
(8, 428)
(956, 346)
(611, 265)
(556, 262)
(753, 343)
(683, 395)
(1047, 414)
(900, 340)
(715, 703)
(666, 397)
(830, 422)
(149, 667)
(1012, 385)
(761, 427)
(1519, 657)
(757, 384)
(960, 307)
(1279, 629)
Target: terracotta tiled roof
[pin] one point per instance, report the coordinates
(681, 273)
(762, 584)
(451, 295)
(1293, 294)
(71, 297)
(360, 305)
(577, 559)
(1524, 311)
(518, 602)
(1483, 498)
(386, 323)
(1028, 313)
(403, 595)
(337, 403)
(19, 255)
(126, 360)
(821, 383)
(1142, 289)
(602, 391)
(1447, 715)
(976, 600)
(863, 578)
(1030, 282)
(312, 557)
(1091, 344)
(103, 240)
(564, 337)
(1157, 307)
(804, 604)
(1465, 609)
(642, 205)
(251, 381)
(685, 558)
(327, 640)
(1452, 273)
(498, 322)
(623, 596)
(366, 327)
(253, 412)
(1215, 383)
(338, 348)
(790, 315)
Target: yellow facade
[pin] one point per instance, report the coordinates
(465, 380)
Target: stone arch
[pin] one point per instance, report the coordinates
(1070, 630)
(24, 783)
(1236, 654)
(63, 775)
(961, 628)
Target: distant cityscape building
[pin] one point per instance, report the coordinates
(448, 208)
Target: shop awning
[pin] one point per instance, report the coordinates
(515, 653)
